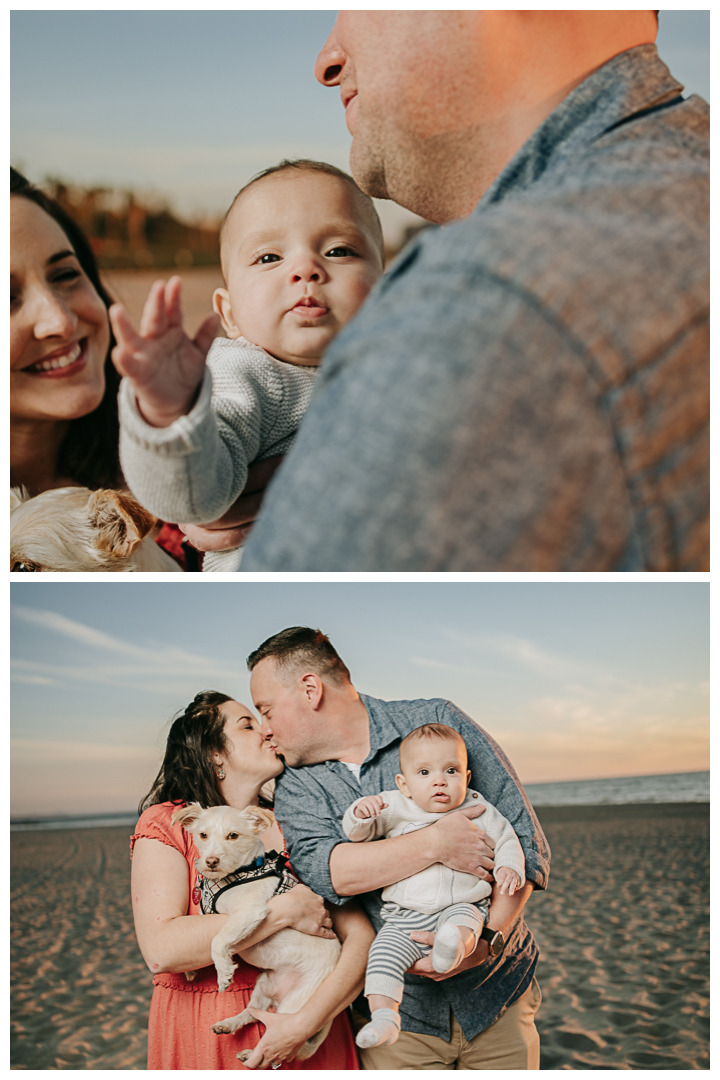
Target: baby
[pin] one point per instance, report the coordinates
(300, 247)
(434, 781)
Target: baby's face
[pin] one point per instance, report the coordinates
(299, 259)
(435, 774)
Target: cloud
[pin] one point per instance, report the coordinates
(523, 651)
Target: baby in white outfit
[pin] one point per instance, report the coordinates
(433, 781)
(301, 247)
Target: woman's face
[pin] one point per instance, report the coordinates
(246, 753)
(59, 329)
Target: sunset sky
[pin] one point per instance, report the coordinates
(576, 681)
(190, 104)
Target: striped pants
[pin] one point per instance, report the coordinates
(393, 951)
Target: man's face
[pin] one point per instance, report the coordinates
(290, 725)
(404, 77)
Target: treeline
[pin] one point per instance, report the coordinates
(126, 232)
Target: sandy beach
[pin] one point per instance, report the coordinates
(623, 932)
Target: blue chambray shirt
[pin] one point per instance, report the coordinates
(527, 389)
(310, 803)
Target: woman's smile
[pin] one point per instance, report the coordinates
(61, 363)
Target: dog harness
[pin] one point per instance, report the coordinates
(271, 864)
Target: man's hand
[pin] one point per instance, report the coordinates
(233, 528)
(164, 366)
(424, 967)
(369, 807)
(461, 845)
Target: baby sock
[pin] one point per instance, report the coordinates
(448, 949)
(383, 1028)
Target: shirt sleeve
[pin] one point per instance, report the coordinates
(155, 824)
(311, 827)
(491, 770)
(361, 829)
(508, 850)
(193, 470)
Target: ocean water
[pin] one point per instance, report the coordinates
(673, 787)
(665, 788)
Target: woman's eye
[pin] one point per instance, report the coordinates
(269, 258)
(340, 252)
(70, 274)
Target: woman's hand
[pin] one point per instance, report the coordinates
(164, 366)
(284, 1035)
(303, 910)
(233, 528)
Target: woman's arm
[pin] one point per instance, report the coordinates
(285, 1033)
(171, 940)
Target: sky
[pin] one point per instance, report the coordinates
(575, 681)
(190, 104)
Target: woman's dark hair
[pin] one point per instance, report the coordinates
(187, 773)
(89, 452)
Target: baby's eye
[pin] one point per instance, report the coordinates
(452, 770)
(268, 258)
(424, 772)
(340, 253)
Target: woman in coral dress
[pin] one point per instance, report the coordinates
(215, 755)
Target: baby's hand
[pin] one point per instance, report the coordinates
(370, 806)
(164, 366)
(507, 879)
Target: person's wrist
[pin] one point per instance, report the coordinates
(158, 418)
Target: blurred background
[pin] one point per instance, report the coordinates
(145, 124)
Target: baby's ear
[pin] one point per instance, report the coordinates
(404, 790)
(223, 308)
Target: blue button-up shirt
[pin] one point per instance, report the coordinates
(310, 803)
(527, 389)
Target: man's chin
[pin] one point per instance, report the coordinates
(369, 174)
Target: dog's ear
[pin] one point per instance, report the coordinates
(259, 819)
(18, 495)
(121, 522)
(187, 815)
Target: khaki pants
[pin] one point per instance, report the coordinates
(512, 1042)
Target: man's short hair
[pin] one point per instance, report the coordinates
(433, 733)
(301, 647)
(307, 165)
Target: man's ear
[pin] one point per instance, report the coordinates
(404, 789)
(223, 308)
(313, 690)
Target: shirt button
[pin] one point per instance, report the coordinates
(475, 795)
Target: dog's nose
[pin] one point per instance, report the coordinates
(211, 862)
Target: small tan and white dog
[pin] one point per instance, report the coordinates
(73, 529)
(294, 964)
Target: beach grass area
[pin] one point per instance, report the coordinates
(623, 933)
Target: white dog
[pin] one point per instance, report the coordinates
(239, 879)
(74, 529)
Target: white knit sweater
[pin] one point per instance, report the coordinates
(249, 408)
(436, 887)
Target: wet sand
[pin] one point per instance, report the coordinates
(623, 933)
(131, 287)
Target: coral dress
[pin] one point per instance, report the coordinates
(182, 1012)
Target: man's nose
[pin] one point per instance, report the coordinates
(330, 62)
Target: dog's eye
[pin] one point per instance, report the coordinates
(203, 836)
(232, 836)
(23, 568)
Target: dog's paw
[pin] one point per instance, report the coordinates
(244, 1055)
(190, 975)
(223, 1028)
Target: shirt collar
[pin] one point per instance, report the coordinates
(632, 82)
